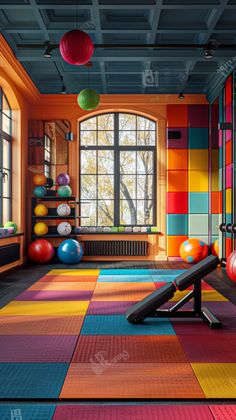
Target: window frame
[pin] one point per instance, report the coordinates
(8, 138)
(117, 148)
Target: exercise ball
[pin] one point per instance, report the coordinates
(63, 210)
(40, 192)
(11, 224)
(40, 210)
(193, 250)
(70, 251)
(64, 228)
(88, 99)
(64, 191)
(63, 179)
(40, 228)
(215, 248)
(41, 251)
(39, 179)
(76, 47)
(231, 266)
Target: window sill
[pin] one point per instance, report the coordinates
(14, 235)
(118, 233)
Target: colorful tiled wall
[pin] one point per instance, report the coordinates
(215, 198)
(187, 175)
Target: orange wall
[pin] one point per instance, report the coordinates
(28, 104)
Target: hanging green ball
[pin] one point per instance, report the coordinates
(88, 99)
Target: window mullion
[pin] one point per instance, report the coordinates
(116, 171)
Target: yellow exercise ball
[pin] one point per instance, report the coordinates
(40, 210)
(40, 229)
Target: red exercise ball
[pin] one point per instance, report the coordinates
(193, 250)
(76, 47)
(231, 266)
(41, 251)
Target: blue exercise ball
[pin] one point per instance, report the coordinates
(70, 251)
(40, 192)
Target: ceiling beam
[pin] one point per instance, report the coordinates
(97, 22)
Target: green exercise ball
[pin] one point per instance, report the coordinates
(11, 224)
(64, 191)
(88, 99)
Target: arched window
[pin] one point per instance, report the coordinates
(118, 170)
(5, 159)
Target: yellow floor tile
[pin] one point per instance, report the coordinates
(79, 272)
(218, 380)
(62, 308)
(207, 295)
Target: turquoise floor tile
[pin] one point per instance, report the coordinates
(32, 380)
(27, 412)
(124, 272)
(125, 279)
(118, 325)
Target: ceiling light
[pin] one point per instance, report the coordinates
(48, 50)
(63, 90)
(181, 95)
(208, 54)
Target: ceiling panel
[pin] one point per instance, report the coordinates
(181, 30)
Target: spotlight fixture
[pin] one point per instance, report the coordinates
(208, 53)
(181, 95)
(63, 90)
(48, 50)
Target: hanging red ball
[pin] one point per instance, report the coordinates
(76, 47)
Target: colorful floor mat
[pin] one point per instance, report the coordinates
(66, 336)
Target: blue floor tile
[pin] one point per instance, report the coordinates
(118, 325)
(124, 272)
(124, 278)
(32, 380)
(26, 412)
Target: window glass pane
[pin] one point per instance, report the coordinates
(6, 124)
(127, 122)
(145, 186)
(127, 212)
(105, 162)
(88, 211)
(106, 186)
(127, 162)
(105, 212)
(6, 210)
(6, 183)
(90, 124)
(88, 161)
(128, 187)
(106, 122)
(5, 107)
(47, 171)
(105, 138)
(146, 138)
(88, 186)
(145, 162)
(127, 138)
(145, 124)
(88, 138)
(144, 212)
(6, 154)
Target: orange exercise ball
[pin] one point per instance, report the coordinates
(193, 250)
(40, 179)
